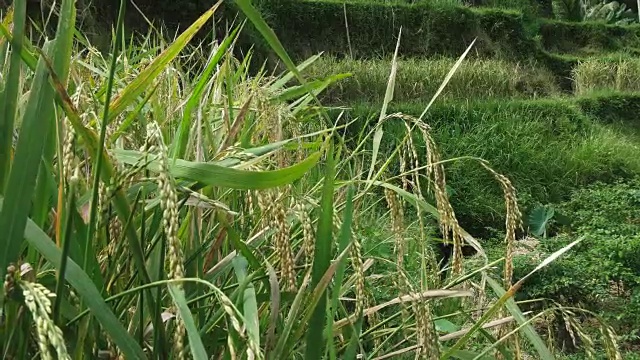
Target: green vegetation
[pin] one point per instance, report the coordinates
(548, 148)
(418, 80)
(319, 179)
(601, 276)
(596, 75)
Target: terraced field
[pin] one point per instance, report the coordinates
(551, 104)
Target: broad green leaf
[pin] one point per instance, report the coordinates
(22, 178)
(216, 175)
(445, 325)
(195, 342)
(10, 94)
(83, 286)
(539, 219)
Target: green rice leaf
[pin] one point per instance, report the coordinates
(10, 94)
(216, 175)
(528, 330)
(196, 95)
(22, 178)
(321, 262)
(249, 302)
(195, 342)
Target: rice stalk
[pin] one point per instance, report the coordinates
(283, 241)
(37, 299)
(170, 221)
(451, 230)
(308, 237)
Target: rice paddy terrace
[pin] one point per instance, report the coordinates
(550, 103)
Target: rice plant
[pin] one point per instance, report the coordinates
(150, 213)
(418, 79)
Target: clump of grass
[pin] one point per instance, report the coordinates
(596, 75)
(418, 80)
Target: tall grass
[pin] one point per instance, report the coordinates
(595, 75)
(418, 79)
(146, 213)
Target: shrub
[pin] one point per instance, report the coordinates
(601, 273)
(612, 108)
(589, 38)
(418, 80)
(309, 27)
(536, 7)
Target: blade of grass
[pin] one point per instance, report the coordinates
(322, 259)
(352, 350)
(214, 175)
(388, 97)
(26, 51)
(503, 299)
(343, 243)
(68, 230)
(283, 80)
(22, 177)
(249, 302)
(447, 79)
(274, 305)
(10, 93)
(195, 341)
(528, 330)
(298, 91)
